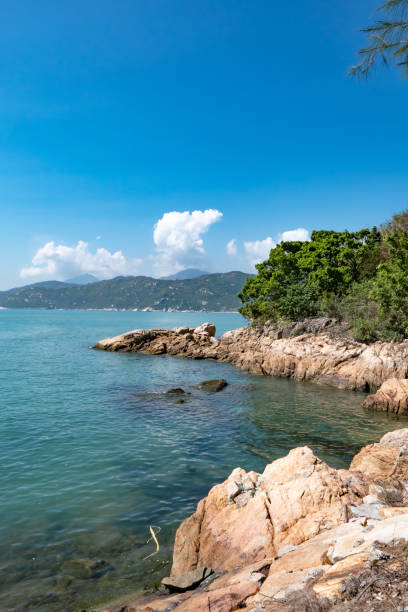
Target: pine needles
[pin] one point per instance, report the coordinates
(387, 38)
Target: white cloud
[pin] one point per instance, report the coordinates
(57, 261)
(258, 250)
(232, 248)
(177, 236)
(301, 234)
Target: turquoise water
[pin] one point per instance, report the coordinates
(93, 452)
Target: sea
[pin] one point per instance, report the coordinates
(94, 452)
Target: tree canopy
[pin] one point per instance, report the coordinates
(358, 277)
(387, 39)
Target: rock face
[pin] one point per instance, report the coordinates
(385, 460)
(392, 396)
(279, 537)
(303, 351)
(251, 517)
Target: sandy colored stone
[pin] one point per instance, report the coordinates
(329, 584)
(392, 396)
(313, 356)
(220, 600)
(387, 513)
(187, 542)
(395, 439)
(385, 459)
(281, 584)
(296, 498)
(298, 502)
(304, 496)
(312, 553)
(243, 574)
(206, 328)
(159, 604)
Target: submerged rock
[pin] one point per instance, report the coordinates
(176, 391)
(213, 386)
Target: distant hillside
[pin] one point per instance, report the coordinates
(83, 279)
(210, 292)
(52, 284)
(185, 274)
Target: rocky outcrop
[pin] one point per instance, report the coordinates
(281, 537)
(392, 396)
(251, 516)
(386, 460)
(303, 351)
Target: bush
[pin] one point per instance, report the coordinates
(359, 277)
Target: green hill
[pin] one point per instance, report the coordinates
(211, 292)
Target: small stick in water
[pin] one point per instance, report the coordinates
(156, 541)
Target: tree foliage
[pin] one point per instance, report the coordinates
(387, 39)
(359, 277)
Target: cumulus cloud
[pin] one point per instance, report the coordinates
(300, 233)
(258, 250)
(177, 236)
(59, 262)
(232, 248)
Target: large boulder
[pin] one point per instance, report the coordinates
(385, 460)
(205, 328)
(250, 517)
(392, 396)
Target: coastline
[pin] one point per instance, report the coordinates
(304, 352)
(301, 535)
(121, 310)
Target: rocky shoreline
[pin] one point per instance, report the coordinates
(300, 537)
(307, 351)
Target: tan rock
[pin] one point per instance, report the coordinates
(314, 356)
(220, 600)
(296, 498)
(205, 328)
(329, 584)
(387, 513)
(160, 604)
(280, 585)
(392, 396)
(384, 460)
(395, 439)
(304, 496)
(244, 574)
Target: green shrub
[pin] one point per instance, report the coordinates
(359, 277)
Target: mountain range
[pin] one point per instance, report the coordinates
(206, 292)
(185, 274)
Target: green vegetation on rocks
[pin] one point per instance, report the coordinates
(360, 278)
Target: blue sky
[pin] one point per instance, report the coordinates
(119, 115)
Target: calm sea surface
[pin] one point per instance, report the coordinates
(93, 452)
